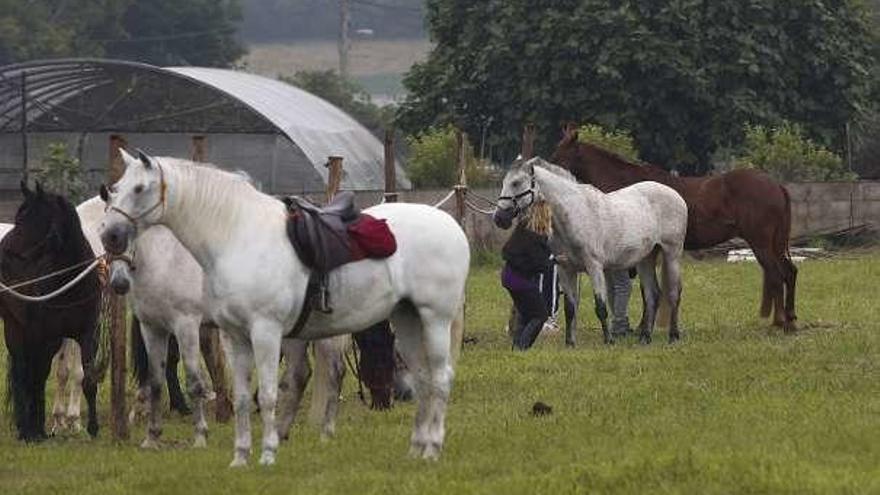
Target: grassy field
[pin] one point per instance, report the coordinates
(735, 407)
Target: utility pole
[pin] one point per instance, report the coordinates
(344, 39)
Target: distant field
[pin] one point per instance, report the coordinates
(735, 407)
(378, 65)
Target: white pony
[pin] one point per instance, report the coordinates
(255, 284)
(599, 232)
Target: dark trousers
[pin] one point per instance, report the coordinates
(530, 305)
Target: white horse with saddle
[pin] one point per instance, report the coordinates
(601, 232)
(255, 285)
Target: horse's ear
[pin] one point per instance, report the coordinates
(570, 133)
(104, 193)
(25, 190)
(144, 159)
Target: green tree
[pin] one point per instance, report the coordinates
(787, 155)
(617, 141)
(164, 32)
(61, 173)
(46, 28)
(433, 160)
(683, 75)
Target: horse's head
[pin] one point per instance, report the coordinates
(44, 222)
(135, 201)
(518, 193)
(566, 151)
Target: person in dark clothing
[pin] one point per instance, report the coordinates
(527, 255)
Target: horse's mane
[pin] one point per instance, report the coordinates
(217, 194)
(551, 167)
(640, 167)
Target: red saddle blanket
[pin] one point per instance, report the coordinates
(371, 238)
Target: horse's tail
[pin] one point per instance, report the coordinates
(329, 368)
(663, 312)
(457, 335)
(102, 335)
(140, 367)
(785, 231)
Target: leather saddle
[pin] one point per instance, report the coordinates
(320, 234)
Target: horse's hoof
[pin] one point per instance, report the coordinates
(150, 444)
(200, 442)
(238, 462)
(267, 458)
(416, 450)
(74, 425)
(673, 338)
(789, 327)
(431, 452)
(93, 430)
(645, 339)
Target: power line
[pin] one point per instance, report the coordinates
(166, 37)
(370, 3)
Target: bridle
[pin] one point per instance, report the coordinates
(515, 199)
(163, 187)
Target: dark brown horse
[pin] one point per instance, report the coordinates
(741, 203)
(47, 238)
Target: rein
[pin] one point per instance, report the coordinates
(163, 187)
(24, 297)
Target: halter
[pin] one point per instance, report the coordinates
(163, 186)
(528, 192)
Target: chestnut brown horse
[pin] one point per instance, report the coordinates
(742, 203)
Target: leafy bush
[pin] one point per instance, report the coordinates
(433, 160)
(787, 155)
(619, 142)
(61, 173)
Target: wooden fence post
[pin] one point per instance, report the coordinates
(460, 211)
(390, 171)
(528, 141)
(198, 148)
(117, 318)
(334, 176)
(222, 404)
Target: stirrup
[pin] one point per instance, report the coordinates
(323, 296)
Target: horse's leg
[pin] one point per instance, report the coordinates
(789, 275)
(266, 341)
(773, 284)
(41, 375)
(175, 394)
(88, 345)
(568, 280)
(408, 332)
(329, 373)
(187, 332)
(672, 288)
(436, 339)
(650, 294)
(18, 382)
(59, 362)
(597, 277)
(240, 357)
(156, 343)
(296, 377)
(77, 374)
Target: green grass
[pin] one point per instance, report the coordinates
(736, 407)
